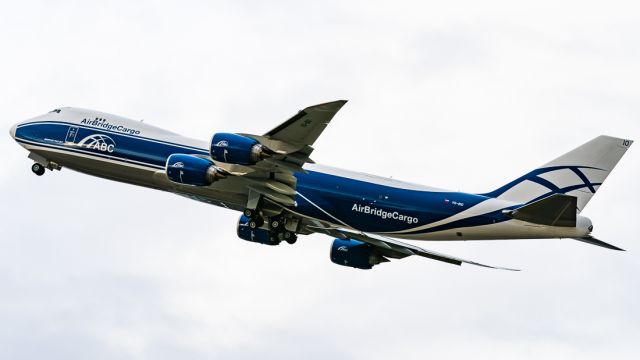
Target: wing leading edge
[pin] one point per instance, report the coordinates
(290, 145)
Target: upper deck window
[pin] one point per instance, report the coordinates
(55, 111)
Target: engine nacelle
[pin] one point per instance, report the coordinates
(258, 235)
(237, 149)
(354, 253)
(191, 170)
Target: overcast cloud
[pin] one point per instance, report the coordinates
(464, 95)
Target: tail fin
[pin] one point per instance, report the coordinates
(578, 173)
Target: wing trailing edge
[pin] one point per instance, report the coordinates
(395, 249)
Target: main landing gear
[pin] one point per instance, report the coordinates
(277, 228)
(276, 225)
(255, 220)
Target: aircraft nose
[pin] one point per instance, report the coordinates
(12, 131)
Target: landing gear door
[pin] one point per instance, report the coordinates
(71, 135)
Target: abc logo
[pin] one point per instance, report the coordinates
(98, 142)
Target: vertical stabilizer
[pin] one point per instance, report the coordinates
(578, 173)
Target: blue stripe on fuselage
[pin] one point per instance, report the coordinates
(390, 209)
(358, 204)
(128, 147)
(109, 132)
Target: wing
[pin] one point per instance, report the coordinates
(290, 145)
(396, 249)
(305, 127)
(300, 132)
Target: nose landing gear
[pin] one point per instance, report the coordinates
(41, 164)
(38, 169)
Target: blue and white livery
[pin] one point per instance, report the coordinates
(282, 193)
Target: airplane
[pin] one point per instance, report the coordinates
(283, 193)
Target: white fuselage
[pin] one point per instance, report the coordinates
(134, 152)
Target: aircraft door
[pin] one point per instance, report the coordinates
(71, 134)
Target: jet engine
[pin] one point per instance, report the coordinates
(237, 149)
(356, 254)
(191, 170)
(258, 235)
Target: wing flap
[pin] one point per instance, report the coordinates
(286, 165)
(273, 195)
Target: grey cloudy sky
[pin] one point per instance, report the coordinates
(464, 95)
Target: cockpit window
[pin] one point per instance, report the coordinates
(55, 111)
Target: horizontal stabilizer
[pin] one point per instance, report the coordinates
(593, 241)
(554, 210)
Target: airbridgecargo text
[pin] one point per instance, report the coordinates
(366, 209)
(102, 123)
